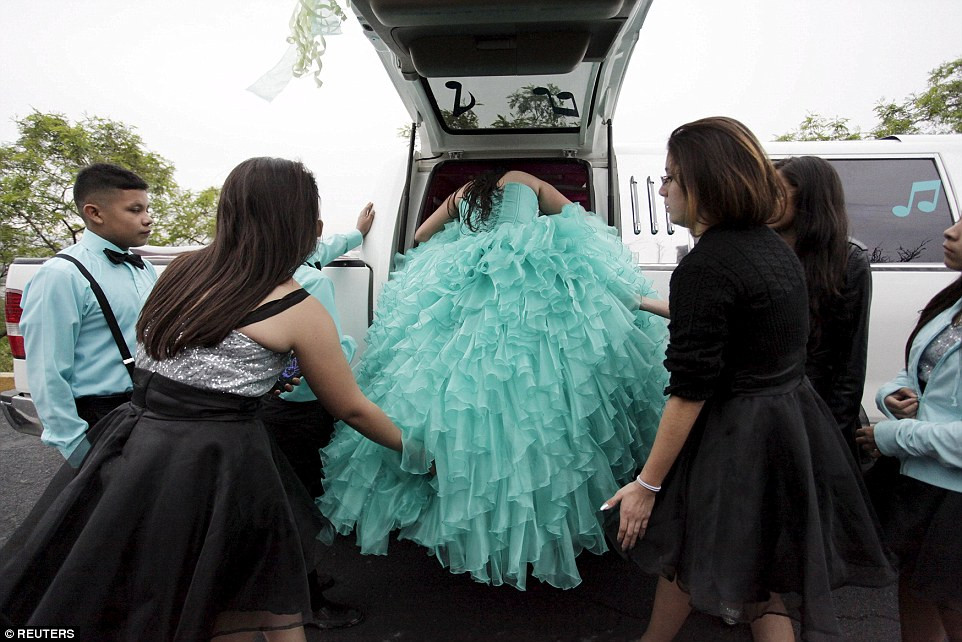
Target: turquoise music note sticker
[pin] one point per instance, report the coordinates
(920, 187)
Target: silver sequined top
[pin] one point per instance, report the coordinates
(238, 365)
(944, 340)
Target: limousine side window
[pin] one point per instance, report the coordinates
(896, 206)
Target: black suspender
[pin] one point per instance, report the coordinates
(108, 313)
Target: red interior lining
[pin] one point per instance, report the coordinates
(569, 175)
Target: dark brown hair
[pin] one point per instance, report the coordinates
(103, 177)
(724, 173)
(942, 301)
(481, 196)
(266, 224)
(821, 228)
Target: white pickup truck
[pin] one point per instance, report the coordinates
(492, 83)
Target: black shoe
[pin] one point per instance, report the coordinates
(336, 616)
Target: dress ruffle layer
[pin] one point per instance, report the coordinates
(183, 523)
(517, 360)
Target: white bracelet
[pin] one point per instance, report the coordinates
(645, 484)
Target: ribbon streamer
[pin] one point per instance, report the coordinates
(310, 22)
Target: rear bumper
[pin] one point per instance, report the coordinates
(18, 411)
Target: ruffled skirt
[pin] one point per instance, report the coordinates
(765, 499)
(518, 362)
(182, 523)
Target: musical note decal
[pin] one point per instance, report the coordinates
(562, 96)
(924, 206)
(458, 109)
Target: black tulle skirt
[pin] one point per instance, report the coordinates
(183, 523)
(765, 498)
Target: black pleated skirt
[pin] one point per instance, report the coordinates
(183, 523)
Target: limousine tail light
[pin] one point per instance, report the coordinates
(13, 311)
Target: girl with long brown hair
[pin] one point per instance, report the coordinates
(182, 524)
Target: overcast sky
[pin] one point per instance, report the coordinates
(178, 70)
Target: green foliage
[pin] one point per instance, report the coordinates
(531, 110)
(190, 221)
(894, 119)
(937, 110)
(815, 127)
(467, 120)
(6, 358)
(37, 172)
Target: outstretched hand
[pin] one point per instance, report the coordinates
(365, 219)
(636, 504)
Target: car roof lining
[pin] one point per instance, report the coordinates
(436, 38)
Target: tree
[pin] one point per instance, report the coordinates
(937, 110)
(530, 106)
(815, 127)
(467, 120)
(532, 109)
(37, 172)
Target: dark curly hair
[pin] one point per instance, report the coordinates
(482, 195)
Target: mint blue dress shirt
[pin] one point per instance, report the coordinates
(322, 288)
(70, 351)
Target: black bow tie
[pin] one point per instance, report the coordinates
(121, 257)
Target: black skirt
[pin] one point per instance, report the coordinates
(921, 525)
(765, 498)
(183, 523)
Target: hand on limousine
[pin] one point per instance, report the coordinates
(365, 219)
(903, 403)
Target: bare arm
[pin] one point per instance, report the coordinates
(636, 502)
(308, 329)
(550, 200)
(655, 306)
(439, 218)
(328, 374)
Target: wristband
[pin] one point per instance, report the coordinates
(646, 485)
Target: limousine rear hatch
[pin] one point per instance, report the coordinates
(519, 75)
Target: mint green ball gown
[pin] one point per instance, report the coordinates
(516, 359)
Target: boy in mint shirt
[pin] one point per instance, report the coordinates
(298, 421)
(74, 367)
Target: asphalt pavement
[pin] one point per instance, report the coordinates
(408, 596)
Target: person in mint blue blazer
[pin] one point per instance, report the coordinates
(297, 420)
(923, 430)
(75, 369)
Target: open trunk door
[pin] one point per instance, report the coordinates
(519, 75)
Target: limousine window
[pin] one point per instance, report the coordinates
(477, 103)
(896, 206)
